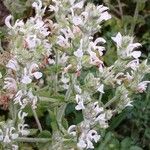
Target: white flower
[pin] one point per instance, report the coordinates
(32, 41)
(38, 8)
(38, 5)
(7, 21)
(118, 39)
(94, 60)
(51, 61)
(97, 109)
(67, 33)
(142, 86)
(15, 147)
(117, 79)
(101, 88)
(93, 136)
(6, 137)
(101, 118)
(18, 97)
(34, 73)
(30, 73)
(20, 100)
(77, 20)
(79, 52)
(128, 104)
(72, 1)
(77, 5)
(39, 25)
(136, 54)
(32, 99)
(130, 52)
(64, 79)
(134, 64)
(37, 75)
(86, 139)
(94, 45)
(13, 64)
(102, 8)
(10, 135)
(81, 144)
(129, 77)
(26, 78)
(22, 129)
(104, 16)
(18, 23)
(29, 98)
(10, 84)
(80, 103)
(63, 42)
(22, 115)
(77, 89)
(56, 7)
(72, 130)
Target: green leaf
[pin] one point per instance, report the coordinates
(117, 120)
(44, 134)
(44, 146)
(126, 143)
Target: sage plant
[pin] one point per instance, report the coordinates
(49, 56)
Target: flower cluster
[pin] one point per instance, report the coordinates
(8, 133)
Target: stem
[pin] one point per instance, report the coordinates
(1, 48)
(100, 97)
(37, 119)
(13, 111)
(120, 9)
(136, 13)
(110, 102)
(147, 97)
(32, 140)
(56, 74)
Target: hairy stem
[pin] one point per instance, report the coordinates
(37, 119)
(110, 102)
(136, 13)
(120, 9)
(32, 140)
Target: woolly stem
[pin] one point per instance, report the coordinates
(136, 13)
(37, 119)
(32, 140)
